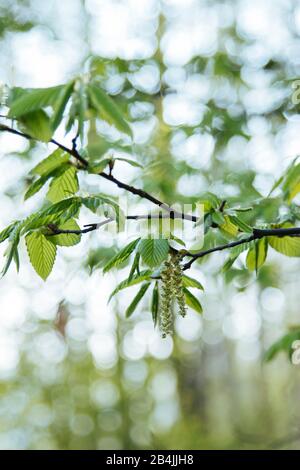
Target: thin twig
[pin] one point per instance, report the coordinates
(95, 226)
(173, 214)
(132, 189)
(256, 235)
(88, 228)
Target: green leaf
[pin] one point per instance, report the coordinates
(50, 163)
(82, 109)
(40, 182)
(36, 186)
(97, 146)
(242, 209)
(257, 254)
(28, 100)
(276, 185)
(234, 254)
(135, 266)
(176, 239)
(99, 167)
(228, 227)
(64, 185)
(94, 202)
(16, 258)
(41, 253)
(107, 108)
(218, 218)
(155, 304)
(37, 125)
(288, 246)
(191, 282)
(240, 223)
(136, 279)
(153, 251)
(228, 263)
(12, 250)
(131, 308)
(129, 161)
(237, 250)
(122, 256)
(283, 344)
(192, 301)
(66, 239)
(291, 184)
(207, 222)
(60, 104)
(56, 213)
(210, 201)
(5, 233)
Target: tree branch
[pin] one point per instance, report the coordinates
(256, 235)
(72, 152)
(172, 213)
(88, 228)
(132, 189)
(95, 226)
(144, 195)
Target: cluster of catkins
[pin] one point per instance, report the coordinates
(171, 291)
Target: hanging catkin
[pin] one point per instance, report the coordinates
(171, 291)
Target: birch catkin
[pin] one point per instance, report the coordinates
(171, 291)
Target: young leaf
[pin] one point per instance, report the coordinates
(50, 163)
(242, 209)
(41, 253)
(218, 218)
(192, 301)
(56, 213)
(228, 227)
(190, 282)
(12, 251)
(60, 104)
(177, 240)
(135, 266)
(153, 251)
(37, 125)
(129, 161)
(66, 239)
(207, 223)
(82, 109)
(228, 263)
(16, 258)
(131, 308)
(276, 184)
(136, 279)
(288, 246)
(99, 167)
(155, 304)
(240, 223)
(234, 254)
(28, 100)
(291, 184)
(257, 254)
(283, 344)
(122, 256)
(107, 108)
(39, 183)
(210, 201)
(64, 185)
(93, 203)
(5, 233)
